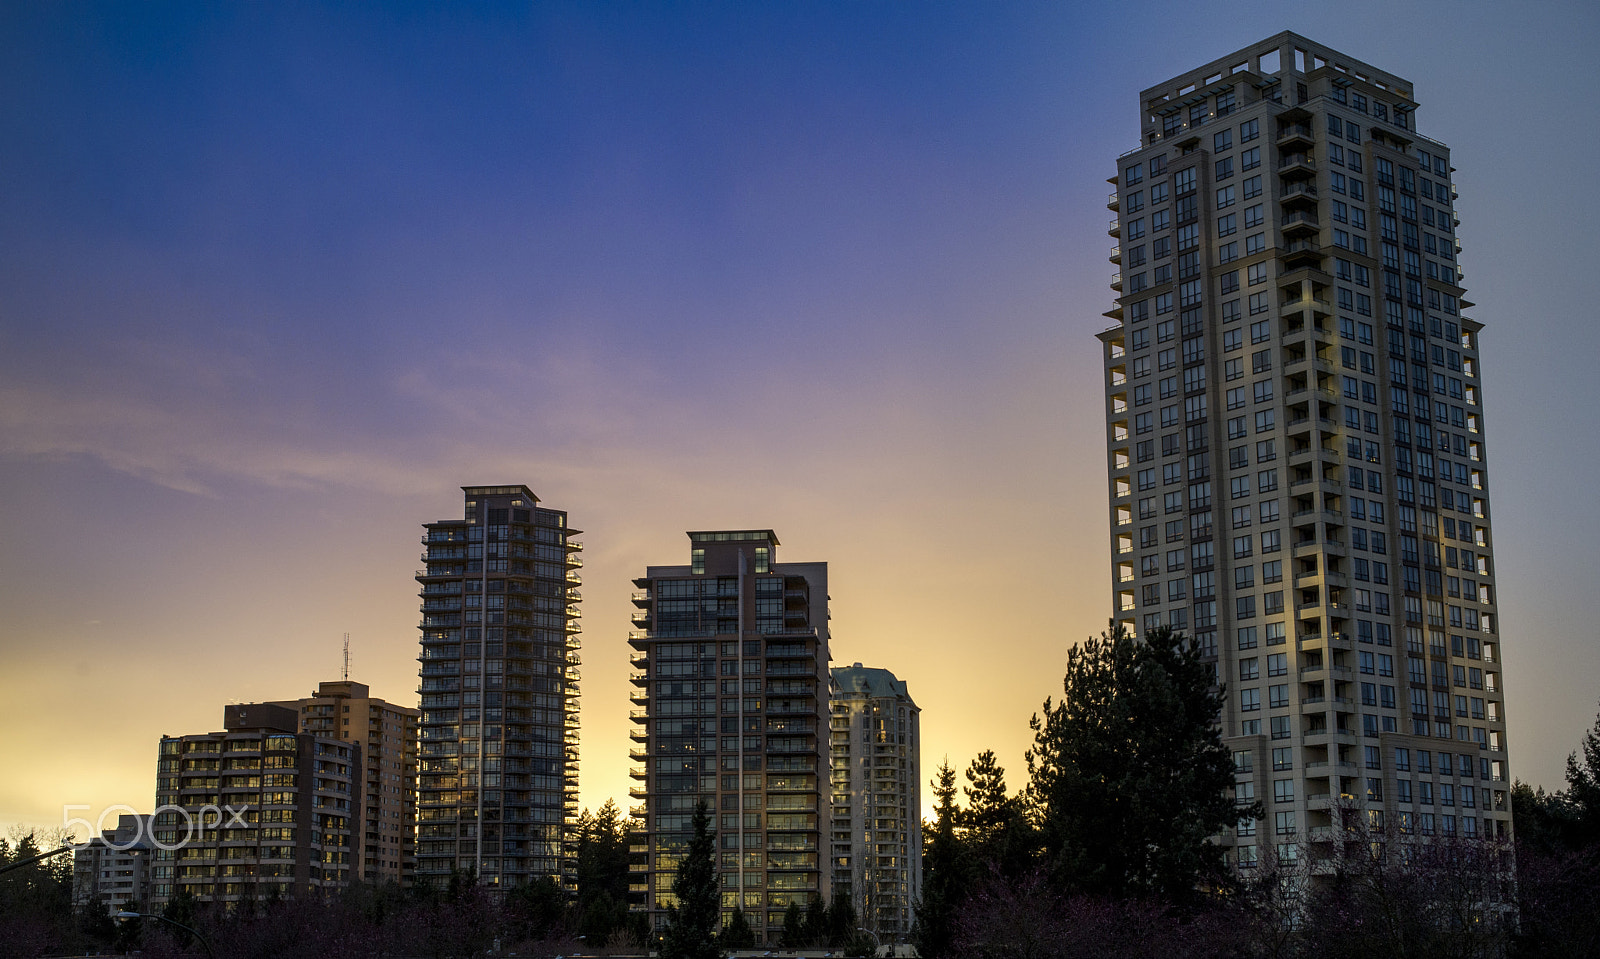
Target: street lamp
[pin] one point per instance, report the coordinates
(126, 914)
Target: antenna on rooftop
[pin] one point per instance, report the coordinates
(347, 657)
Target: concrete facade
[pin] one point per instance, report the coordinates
(1295, 442)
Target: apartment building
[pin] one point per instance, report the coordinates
(731, 682)
(498, 764)
(111, 872)
(386, 817)
(1296, 448)
(257, 810)
(876, 777)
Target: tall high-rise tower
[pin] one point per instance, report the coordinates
(499, 751)
(732, 677)
(875, 747)
(1295, 442)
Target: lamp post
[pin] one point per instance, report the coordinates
(39, 858)
(125, 915)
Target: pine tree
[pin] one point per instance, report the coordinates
(1583, 788)
(738, 934)
(1129, 775)
(602, 902)
(794, 927)
(692, 924)
(993, 829)
(946, 872)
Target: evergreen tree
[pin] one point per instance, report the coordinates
(536, 907)
(946, 873)
(601, 907)
(1129, 775)
(692, 924)
(841, 921)
(814, 930)
(738, 934)
(794, 927)
(1583, 789)
(1545, 823)
(994, 830)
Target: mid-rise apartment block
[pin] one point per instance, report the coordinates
(1296, 447)
(257, 810)
(876, 777)
(111, 872)
(386, 817)
(498, 764)
(731, 681)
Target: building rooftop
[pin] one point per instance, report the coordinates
(859, 680)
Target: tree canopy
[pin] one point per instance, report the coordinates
(692, 923)
(1129, 775)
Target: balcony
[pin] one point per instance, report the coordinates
(641, 597)
(1297, 165)
(1313, 454)
(1115, 228)
(1299, 191)
(1116, 282)
(1300, 223)
(1301, 304)
(1296, 135)
(1300, 253)
(1112, 203)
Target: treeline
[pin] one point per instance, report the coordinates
(1106, 848)
(459, 918)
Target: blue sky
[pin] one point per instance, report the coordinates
(278, 279)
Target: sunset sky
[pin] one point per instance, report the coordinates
(277, 280)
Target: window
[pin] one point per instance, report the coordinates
(1249, 700)
(1252, 216)
(1250, 159)
(1252, 187)
(1227, 226)
(1249, 130)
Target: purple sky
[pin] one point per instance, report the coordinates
(277, 281)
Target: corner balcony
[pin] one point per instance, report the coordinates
(1300, 223)
(1297, 253)
(1296, 137)
(1297, 166)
